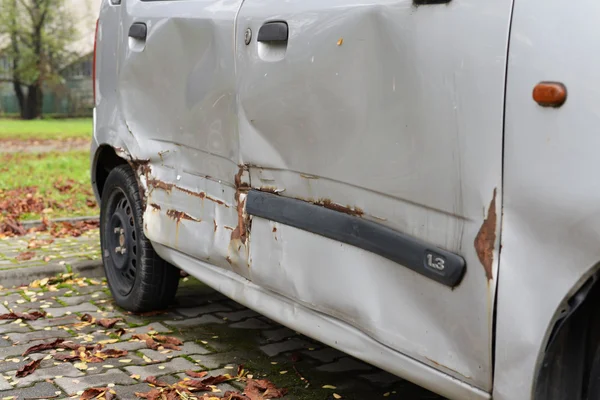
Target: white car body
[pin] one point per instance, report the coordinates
(417, 118)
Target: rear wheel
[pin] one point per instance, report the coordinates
(137, 277)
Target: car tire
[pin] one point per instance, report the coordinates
(138, 278)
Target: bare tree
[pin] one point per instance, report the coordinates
(38, 33)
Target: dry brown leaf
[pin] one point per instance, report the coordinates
(32, 316)
(108, 322)
(198, 375)
(28, 368)
(154, 394)
(26, 255)
(87, 318)
(261, 389)
(215, 380)
(153, 381)
(168, 339)
(120, 332)
(93, 393)
(43, 346)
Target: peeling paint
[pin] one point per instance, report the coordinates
(157, 183)
(215, 222)
(155, 206)
(338, 207)
(179, 215)
(485, 239)
(241, 188)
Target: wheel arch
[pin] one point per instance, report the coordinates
(572, 338)
(105, 160)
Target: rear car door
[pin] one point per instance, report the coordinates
(389, 111)
(177, 98)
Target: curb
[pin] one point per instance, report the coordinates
(38, 222)
(25, 275)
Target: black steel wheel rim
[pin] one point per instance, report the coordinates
(120, 243)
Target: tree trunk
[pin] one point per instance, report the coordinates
(20, 96)
(33, 102)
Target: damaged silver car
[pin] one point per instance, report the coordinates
(410, 181)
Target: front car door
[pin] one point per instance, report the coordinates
(392, 112)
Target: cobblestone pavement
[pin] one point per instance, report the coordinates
(218, 335)
(41, 254)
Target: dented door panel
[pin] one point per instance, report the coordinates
(392, 113)
(177, 102)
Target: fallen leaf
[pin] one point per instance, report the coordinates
(329, 387)
(93, 393)
(168, 339)
(43, 346)
(153, 381)
(340, 41)
(260, 389)
(87, 318)
(28, 368)
(120, 332)
(32, 316)
(27, 255)
(108, 322)
(336, 396)
(153, 394)
(215, 380)
(196, 374)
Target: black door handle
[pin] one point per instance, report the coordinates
(138, 31)
(273, 32)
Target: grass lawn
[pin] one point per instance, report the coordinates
(46, 128)
(55, 184)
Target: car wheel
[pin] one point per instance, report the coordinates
(138, 278)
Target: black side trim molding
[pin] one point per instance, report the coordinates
(440, 265)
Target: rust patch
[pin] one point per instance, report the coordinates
(274, 229)
(215, 222)
(485, 239)
(239, 233)
(179, 215)
(155, 206)
(157, 183)
(338, 207)
(191, 192)
(228, 227)
(229, 260)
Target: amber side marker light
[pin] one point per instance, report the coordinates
(550, 94)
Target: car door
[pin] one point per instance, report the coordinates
(391, 112)
(177, 98)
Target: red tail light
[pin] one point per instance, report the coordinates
(94, 63)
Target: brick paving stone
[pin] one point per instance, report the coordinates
(236, 316)
(75, 300)
(65, 320)
(115, 363)
(65, 369)
(19, 338)
(194, 322)
(81, 308)
(9, 365)
(344, 365)
(4, 342)
(13, 350)
(14, 327)
(381, 378)
(326, 355)
(218, 360)
(175, 365)
(129, 346)
(252, 323)
(4, 385)
(186, 349)
(151, 327)
(115, 376)
(200, 310)
(41, 390)
(276, 335)
(281, 347)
